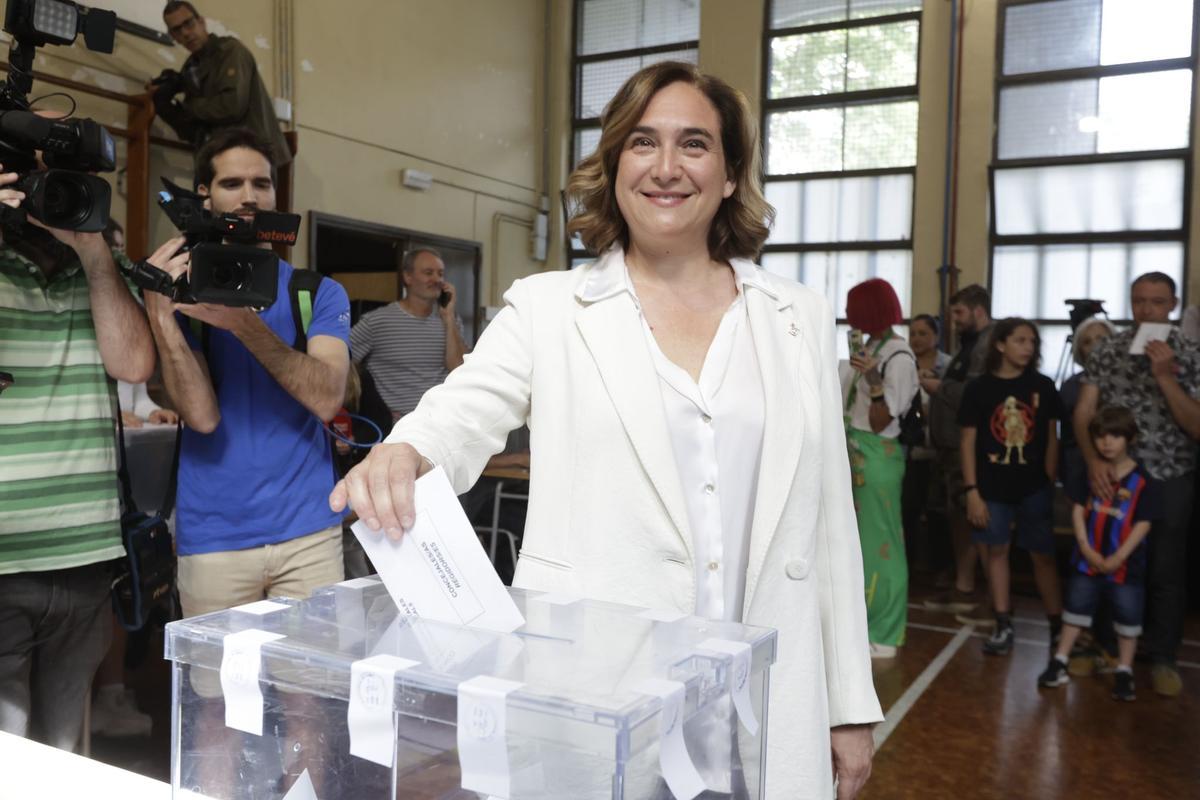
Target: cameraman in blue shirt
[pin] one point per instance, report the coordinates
(256, 463)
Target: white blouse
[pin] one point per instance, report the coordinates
(900, 385)
(716, 431)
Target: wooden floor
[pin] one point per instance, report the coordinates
(960, 724)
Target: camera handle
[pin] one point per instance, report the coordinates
(150, 278)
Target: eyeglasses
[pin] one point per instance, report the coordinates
(188, 23)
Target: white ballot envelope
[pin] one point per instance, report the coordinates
(1149, 332)
(438, 570)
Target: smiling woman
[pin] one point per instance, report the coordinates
(687, 437)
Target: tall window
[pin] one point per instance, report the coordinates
(1091, 156)
(840, 121)
(613, 40)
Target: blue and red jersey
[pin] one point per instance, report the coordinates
(1109, 523)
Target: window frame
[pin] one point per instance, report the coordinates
(581, 123)
(770, 106)
(1185, 155)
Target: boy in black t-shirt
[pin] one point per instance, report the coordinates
(1009, 453)
(1110, 552)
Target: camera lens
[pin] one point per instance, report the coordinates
(232, 276)
(66, 201)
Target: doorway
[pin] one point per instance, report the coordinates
(364, 257)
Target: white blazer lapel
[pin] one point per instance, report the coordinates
(612, 331)
(778, 344)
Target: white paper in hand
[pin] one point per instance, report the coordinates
(1149, 332)
(438, 570)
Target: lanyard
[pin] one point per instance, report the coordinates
(853, 393)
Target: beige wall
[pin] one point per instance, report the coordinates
(453, 88)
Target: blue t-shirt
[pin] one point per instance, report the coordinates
(265, 474)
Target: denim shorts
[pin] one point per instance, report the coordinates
(1083, 596)
(1033, 518)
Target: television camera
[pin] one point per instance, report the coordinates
(64, 195)
(229, 267)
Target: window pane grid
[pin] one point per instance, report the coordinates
(841, 98)
(799, 13)
(668, 28)
(1045, 118)
(844, 60)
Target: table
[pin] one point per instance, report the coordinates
(502, 474)
(34, 770)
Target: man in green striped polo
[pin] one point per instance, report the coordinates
(68, 325)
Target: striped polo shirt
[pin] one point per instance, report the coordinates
(405, 355)
(58, 484)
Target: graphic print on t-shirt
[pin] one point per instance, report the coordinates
(1013, 425)
(1012, 418)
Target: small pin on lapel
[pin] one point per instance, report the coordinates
(793, 330)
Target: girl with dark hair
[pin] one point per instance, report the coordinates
(1009, 452)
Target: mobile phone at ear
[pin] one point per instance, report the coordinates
(444, 299)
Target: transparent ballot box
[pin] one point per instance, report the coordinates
(344, 696)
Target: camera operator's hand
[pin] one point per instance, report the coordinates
(10, 197)
(90, 247)
(380, 489)
(174, 263)
(168, 81)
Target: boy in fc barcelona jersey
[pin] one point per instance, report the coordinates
(1110, 553)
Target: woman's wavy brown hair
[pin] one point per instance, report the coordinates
(743, 219)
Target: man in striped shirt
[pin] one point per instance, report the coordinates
(68, 325)
(411, 345)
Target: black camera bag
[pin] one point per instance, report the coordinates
(144, 578)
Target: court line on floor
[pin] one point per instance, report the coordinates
(1032, 621)
(901, 707)
(921, 626)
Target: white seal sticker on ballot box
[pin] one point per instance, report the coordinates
(678, 771)
(483, 734)
(371, 716)
(739, 678)
(241, 663)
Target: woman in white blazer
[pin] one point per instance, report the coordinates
(685, 420)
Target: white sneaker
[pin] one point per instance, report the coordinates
(114, 714)
(883, 650)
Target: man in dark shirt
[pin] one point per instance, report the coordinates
(970, 311)
(220, 84)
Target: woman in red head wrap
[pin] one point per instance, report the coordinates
(878, 387)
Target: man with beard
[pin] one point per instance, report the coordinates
(970, 311)
(256, 464)
(219, 86)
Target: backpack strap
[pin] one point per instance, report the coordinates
(883, 366)
(302, 289)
